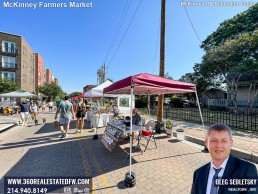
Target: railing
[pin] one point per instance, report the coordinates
(218, 102)
(229, 103)
(235, 121)
(10, 51)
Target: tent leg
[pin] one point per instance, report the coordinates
(130, 177)
(205, 149)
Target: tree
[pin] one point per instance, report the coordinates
(75, 94)
(51, 90)
(168, 76)
(110, 79)
(245, 22)
(7, 85)
(237, 55)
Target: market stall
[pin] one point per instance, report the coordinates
(147, 84)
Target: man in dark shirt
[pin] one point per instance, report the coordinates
(25, 109)
(136, 117)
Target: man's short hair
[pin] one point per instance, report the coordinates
(66, 97)
(219, 127)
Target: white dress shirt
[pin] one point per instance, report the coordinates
(212, 173)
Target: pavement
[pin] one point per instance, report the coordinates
(38, 151)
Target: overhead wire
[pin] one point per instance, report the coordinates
(192, 24)
(136, 10)
(120, 23)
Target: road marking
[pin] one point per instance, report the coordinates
(85, 163)
(97, 165)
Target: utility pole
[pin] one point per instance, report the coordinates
(162, 57)
(104, 72)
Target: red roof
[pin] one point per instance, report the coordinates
(149, 84)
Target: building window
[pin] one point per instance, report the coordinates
(24, 78)
(8, 75)
(31, 58)
(24, 51)
(8, 47)
(8, 62)
(31, 81)
(24, 64)
(31, 69)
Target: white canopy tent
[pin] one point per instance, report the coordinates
(18, 94)
(97, 92)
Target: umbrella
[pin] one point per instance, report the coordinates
(18, 94)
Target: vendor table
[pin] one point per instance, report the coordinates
(114, 131)
(101, 120)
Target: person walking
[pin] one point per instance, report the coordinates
(80, 110)
(39, 104)
(34, 111)
(25, 111)
(43, 106)
(50, 105)
(66, 112)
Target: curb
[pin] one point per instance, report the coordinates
(253, 157)
(9, 126)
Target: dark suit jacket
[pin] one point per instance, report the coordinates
(235, 168)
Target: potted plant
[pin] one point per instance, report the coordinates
(169, 126)
(180, 133)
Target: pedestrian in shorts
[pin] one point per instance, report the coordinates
(66, 113)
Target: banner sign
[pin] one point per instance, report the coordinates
(111, 136)
(47, 185)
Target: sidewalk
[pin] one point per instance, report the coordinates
(245, 144)
(7, 122)
(37, 151)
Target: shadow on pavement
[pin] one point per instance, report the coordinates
(72, 157)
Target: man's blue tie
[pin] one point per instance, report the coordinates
(214, 188)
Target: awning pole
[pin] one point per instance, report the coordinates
(131, 129)
(200, 113)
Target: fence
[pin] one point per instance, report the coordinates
(235, 121)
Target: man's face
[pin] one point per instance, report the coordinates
(219, 145)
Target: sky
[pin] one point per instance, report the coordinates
(75, 42)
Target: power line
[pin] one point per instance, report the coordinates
(125, 32)
(120, 23)
(192, 24)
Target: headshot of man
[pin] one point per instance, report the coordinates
(223, 164)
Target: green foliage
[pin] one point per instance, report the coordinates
(169, 124)
(51, 90)
(141, 101)
(201, 79)
(75, 94)
(110, 79)
(168, 76)
(230, 29)
(237, 55)
(7, 85)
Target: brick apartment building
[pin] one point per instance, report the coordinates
(40, 71)
(88, 87)
(50, 77)
(18, 62)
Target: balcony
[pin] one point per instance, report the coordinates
(8, 66)
(8, 51)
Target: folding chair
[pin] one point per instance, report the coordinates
(147, 134)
